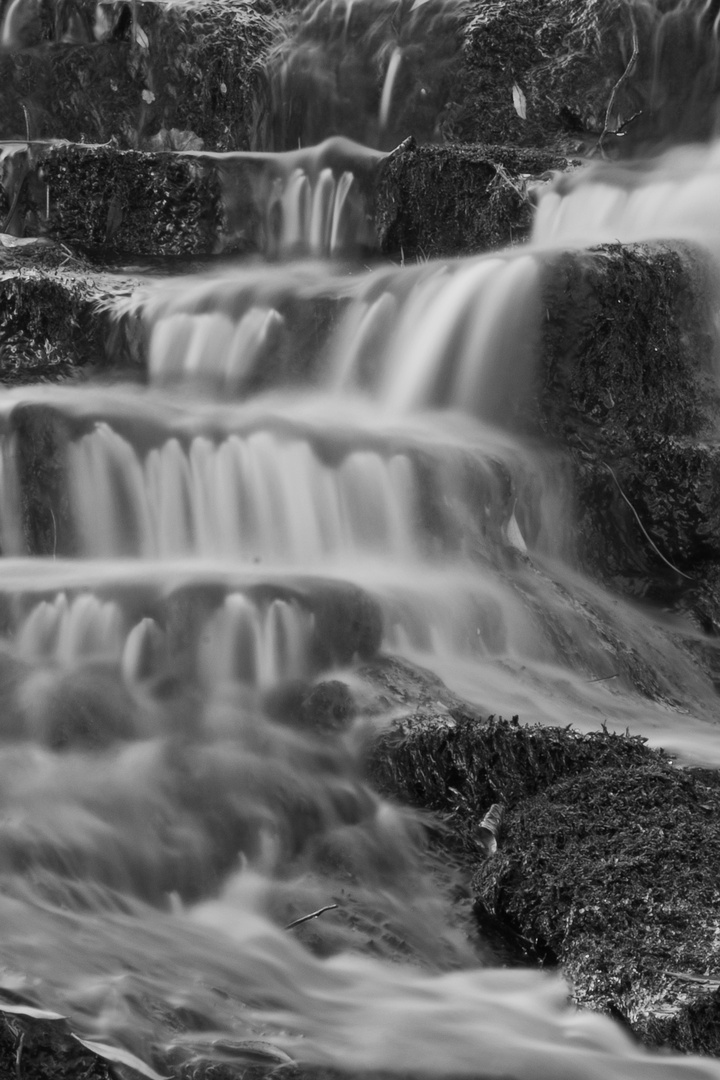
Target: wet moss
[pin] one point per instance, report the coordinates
(185, 72)
(563, 58)
(454, 761)
(627, 344)
(606, 858)
(433, 201)
(44, 1050)
(612, 870)
(53, 322)
(627, 387)
(116, 203)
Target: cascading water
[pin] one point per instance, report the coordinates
(264, 511)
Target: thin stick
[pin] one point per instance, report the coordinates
(646, 534)
(605, 678)
(618, 84)
(18, 1056)
(312, 915)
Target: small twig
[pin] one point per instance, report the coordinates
(52, 515)
(628, 71)
(407, 144)
(626, 123)
(646, 534)
(18, 1056)
(704, 980)
(502, 174)
(606, 678)
(27, 121)
(312, 915)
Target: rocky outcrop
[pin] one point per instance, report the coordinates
(53, 321)
(442, 201)
(627, 386)
(605, 864)
(147, 76)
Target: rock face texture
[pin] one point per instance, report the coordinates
(604, 864)
(148, 76)
(440, 201)
(627, 383)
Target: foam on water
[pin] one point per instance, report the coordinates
(670, 197)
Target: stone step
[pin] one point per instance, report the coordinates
(166, 619)
(148, 75)
(630, 395)
(237, 75)
(417, 203)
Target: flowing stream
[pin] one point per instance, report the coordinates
(273, 506)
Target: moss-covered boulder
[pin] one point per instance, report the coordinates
(110, 202)
(613, 871)
(601, 75)
(149, 76)
(606, 862)
(53, 321)
(626, 385)
(440, 201)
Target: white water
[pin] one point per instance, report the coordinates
(215, 538)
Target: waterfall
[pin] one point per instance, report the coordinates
(324, 463)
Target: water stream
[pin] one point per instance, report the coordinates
(271, 506)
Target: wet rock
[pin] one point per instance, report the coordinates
(53, 321)
(46, 1050)
(389, 682)
(104, 200)
(454, 761)
(115, 204)
(88, 708)
(147, 75)
(611, 870)
(627, 386)
(440, 201)
(329, 707)
(628, 344)
(605, 864)
(348, 625)
(601, 78)
(537, 74)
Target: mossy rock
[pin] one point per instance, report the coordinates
(449, 759)
(655, 513)
(613, 871)
(127, 203)
(599, 76)
(605, 863)
(178, 76)
(626, 384)
(628, 345)
(440, 201)
(52, 322)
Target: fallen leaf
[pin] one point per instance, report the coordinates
(519, 101)
(30, 1011)
(120, 1057)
